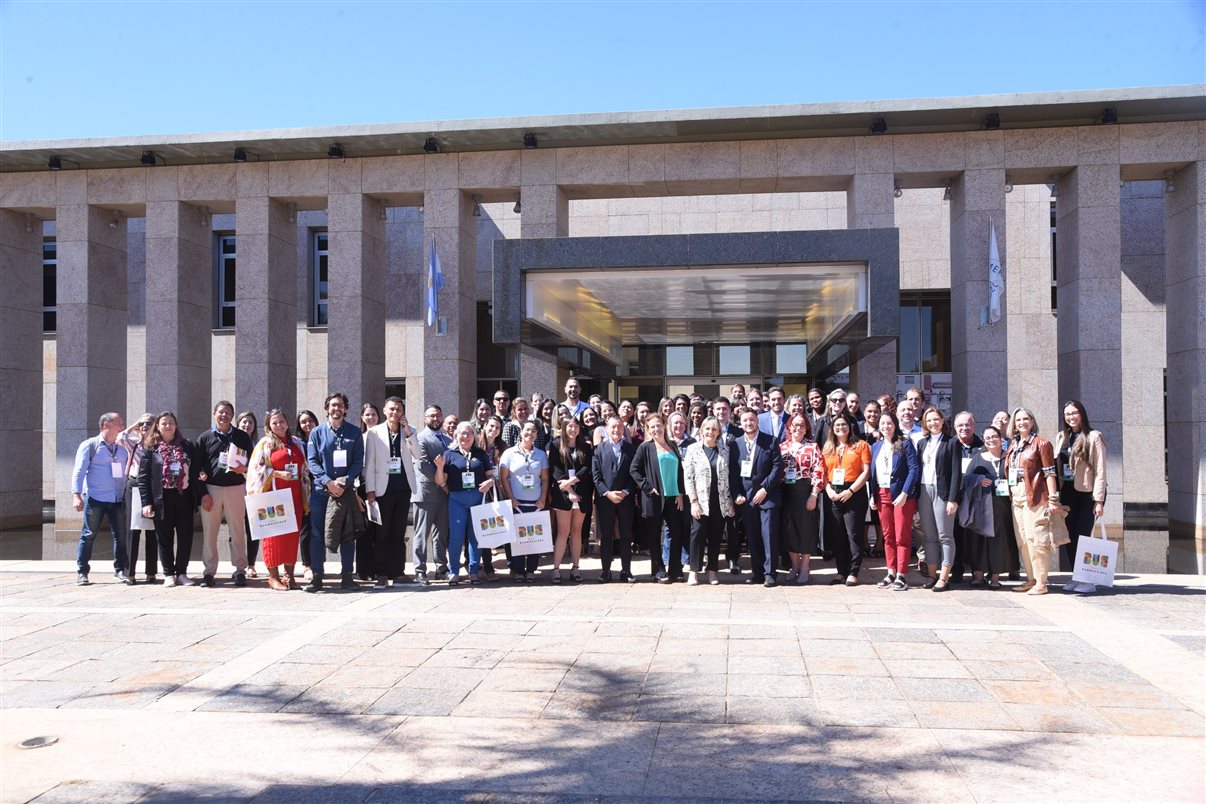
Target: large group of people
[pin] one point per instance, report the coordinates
(790, 479)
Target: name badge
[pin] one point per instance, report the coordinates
(527, 481)
(223, 461)
(1067, 471)
(395, 465)
(682, 452)
(291, 468)
(1002, 488)
(468, 480)
(838, 477)
(966, 463)
(341, 458)
(747, 468)
(118, 470)
(572, 473)
(174, 468)
(1015, 476)
(789, 475)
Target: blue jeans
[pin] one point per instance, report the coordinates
(460, 528)
(318, 541)
(666, 545)
(95, 513)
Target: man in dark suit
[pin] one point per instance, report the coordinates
(758, 501)
(614, 488)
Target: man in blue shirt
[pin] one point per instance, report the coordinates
(98, 488)
(573, 397)
(335, 453)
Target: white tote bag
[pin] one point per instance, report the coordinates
(1096, 560)
(271, 514)
(533, 534)
(137, 520)
(493, 522)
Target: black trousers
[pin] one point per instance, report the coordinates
(177, 521)
(706, 534)
(843, 531)
(609, 514)
(305, 540)
(1080, 521)
(389, 551)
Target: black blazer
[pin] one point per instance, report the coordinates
(559, 470)
(948, 465)
(610, 475)
(647, 472)
(150, 477)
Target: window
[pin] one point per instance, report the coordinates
(791, 358)
(735, 359)
(924, 345)
(680, 360)
(497, 365)
(224, 282)
(50, 293)
(318, 315)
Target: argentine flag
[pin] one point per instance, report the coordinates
(435, 283)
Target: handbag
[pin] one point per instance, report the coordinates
(1096, 559)
(533, 534)
(137, 520)
(493, 522)
(271, 513)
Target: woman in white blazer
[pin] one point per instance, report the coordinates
(390, 450)
(710, 473)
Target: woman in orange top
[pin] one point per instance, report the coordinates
(847, 466)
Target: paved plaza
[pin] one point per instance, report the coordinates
(508, 692)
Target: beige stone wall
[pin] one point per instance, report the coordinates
(1027, 305)
(924, 220)
(707, 214)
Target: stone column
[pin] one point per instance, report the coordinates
(449, 361)
(20, 370)
(1089, 322)
(1033, 376)
(545, 214)
(978, 354)
(356, 297)
(1185, 291)
(179, 317)
(1143, 349)
(266, 291)
(91, 338)
(869, 205)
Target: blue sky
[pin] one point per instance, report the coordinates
(90, 69)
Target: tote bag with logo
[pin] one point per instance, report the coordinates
(271, 514)
(533, 534)
(1095, 560)
(493, 522)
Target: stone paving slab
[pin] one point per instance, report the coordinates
(619, 692)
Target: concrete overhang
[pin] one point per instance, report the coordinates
(837, 291)
(906, 116)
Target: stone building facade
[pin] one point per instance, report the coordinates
(136, 247)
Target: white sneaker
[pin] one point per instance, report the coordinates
(169, 580)
(692, 579)
(184, 580)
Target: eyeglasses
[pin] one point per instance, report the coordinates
(501, 399)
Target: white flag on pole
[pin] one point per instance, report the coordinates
(996, 277)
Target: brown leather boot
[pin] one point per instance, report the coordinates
(274, 580)
(289, 581)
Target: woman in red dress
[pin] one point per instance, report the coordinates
(278, 463)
